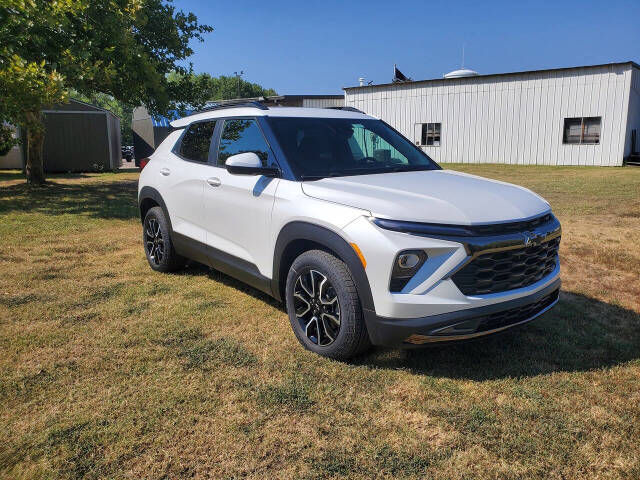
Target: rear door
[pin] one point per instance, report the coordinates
(184, 180)
(238, 207)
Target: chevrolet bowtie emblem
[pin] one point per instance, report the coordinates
(532, 238)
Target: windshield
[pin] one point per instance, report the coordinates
(332, 147)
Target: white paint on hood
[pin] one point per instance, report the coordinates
(434, 196)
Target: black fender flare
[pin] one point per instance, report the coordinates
(298, 230)
(153, 194)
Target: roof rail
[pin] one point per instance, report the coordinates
(236, 103)
(346, 109)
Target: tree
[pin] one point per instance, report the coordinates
(223, 87)
(121, 48)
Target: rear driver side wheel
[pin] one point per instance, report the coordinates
(157, 242)
(324, 306)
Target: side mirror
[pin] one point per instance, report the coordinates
(249, 163)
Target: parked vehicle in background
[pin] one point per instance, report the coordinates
(127, 153)
(364, 237)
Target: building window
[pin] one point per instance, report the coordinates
(582, 130)
(430, 134)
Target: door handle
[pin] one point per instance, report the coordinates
(214, 181)
(165, 171)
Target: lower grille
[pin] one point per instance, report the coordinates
(516, 315)
(508, 269)
(487, 324)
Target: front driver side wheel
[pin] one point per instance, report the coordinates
(324, 306)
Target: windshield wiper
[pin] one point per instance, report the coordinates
(320, 177)
(312, 177)
(409, 168)
(369, 171)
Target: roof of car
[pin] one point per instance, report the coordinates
(251, 111)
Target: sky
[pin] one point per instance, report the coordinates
(318, 47)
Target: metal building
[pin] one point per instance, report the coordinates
(567, 116)
(79, 137)
(309, 101)
(148, 132)
(13, 158)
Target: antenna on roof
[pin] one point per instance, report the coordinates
(462, 72)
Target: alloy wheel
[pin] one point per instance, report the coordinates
(317, 307)
(154, 242)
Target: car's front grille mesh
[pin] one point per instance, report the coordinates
(508, 269)
(516, 315)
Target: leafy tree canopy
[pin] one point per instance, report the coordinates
(205, 87)
(121, 48)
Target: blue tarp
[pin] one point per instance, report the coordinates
(160, 121)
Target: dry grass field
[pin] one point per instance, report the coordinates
(109, 370)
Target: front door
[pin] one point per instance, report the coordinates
(238, 207)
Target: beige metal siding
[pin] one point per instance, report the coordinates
(515, 118)
(13, 159)
(322, 102)
(633, 122)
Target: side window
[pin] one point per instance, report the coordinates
(196, 141)
(240, 136)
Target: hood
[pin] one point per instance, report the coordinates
(434, 196)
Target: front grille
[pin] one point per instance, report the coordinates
(508, 269)
(516, 315)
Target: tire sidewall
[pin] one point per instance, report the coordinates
(168, 260)
(348, 315)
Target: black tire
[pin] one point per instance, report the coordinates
(350, 336)
(156, 240)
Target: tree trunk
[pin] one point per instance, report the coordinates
(35, 143)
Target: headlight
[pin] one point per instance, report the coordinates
(405, 266)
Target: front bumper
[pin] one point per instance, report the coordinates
(462, 324)
(433, 289)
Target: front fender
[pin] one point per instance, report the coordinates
(297, 230)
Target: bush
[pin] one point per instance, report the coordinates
(7, 141)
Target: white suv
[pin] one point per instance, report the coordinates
(364, 237)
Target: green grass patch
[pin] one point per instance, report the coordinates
(111, 370)
(294, 392)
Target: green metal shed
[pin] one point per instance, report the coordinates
(80, 137)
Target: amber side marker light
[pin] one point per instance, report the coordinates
(359, 253)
